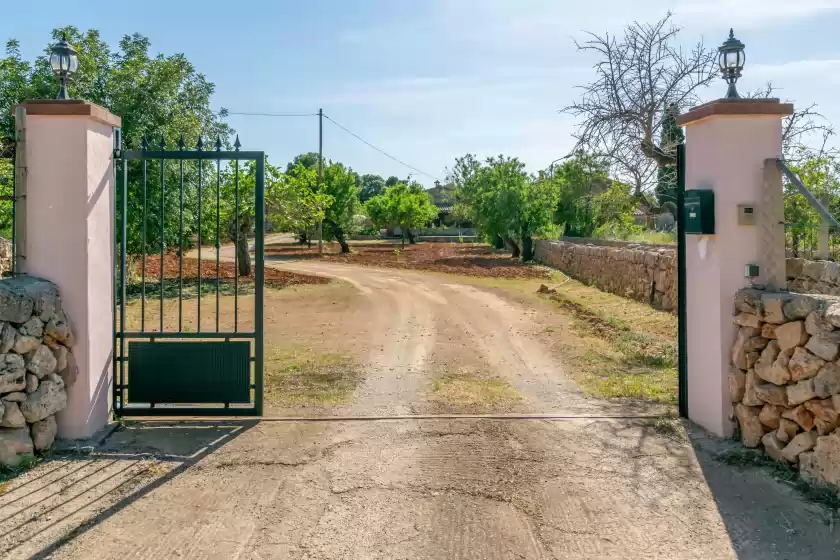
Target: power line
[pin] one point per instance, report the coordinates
(383, 152)
(271, 114)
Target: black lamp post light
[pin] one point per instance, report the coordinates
(64, 63)
(731, 61)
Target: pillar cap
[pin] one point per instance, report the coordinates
(70, 107)
(731, 107)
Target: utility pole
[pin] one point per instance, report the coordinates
(320, 175)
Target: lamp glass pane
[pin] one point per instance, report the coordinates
(55, 62)
(74, 63)
(732, 59)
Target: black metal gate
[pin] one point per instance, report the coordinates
(183, 220)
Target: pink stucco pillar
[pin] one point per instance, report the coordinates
(727, 143)
(70, 240)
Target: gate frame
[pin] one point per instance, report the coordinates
(121, 336)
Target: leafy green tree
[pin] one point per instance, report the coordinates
(340, 185)
(391, 181)
(504, 201)
(371, 186)
(821, 176)
(157, 96)
(577, 181)
(290, 204)
(407, 207)
(309, 160)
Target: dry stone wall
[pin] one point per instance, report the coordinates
(36, 366)
(646, 273)
(785, 379)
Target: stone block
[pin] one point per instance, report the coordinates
(748, 300)
(750, 396)
(791, 335)
(770, 416)
(15, 305)
(799, 306)
(48, 399)
(43, 433)
(768, 356)
(751, 428)
(832, 314)
(802, 416)
(768, 331)
(803, 364)
(747, 320)
(827, 381)
(737, 383)
(787, 429)
(799, 444)
(801, 392)
(772, 307)
(15, 443)
(773, 446)
(824, 347)
(823, 464)
(772, 394)
(815, 324)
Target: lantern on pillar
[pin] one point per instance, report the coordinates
(64, 63)
(731, 61)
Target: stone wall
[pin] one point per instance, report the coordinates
(643, 272)
(813, 277)
(647, 271)
(785, 379)
(35, 366)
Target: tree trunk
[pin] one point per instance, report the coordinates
(498, 242)
(338, 233)
(527, 247)
(512, 247)
(242, 255)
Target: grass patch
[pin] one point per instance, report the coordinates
(474, 391)
(742, 457)
(670, 428)
(617, 361)
(306, 377)
(27, 463)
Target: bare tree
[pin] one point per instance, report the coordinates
(639, 75)
(805, 133)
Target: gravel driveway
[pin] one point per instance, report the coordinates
(582, 488)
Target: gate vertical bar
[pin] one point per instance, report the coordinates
(198, 297)
(236, 146)
(144, 147)
(682, 319)
(118, 280)
(162, 219)
(123, 251)
(259, 278)
(218, 210)
(181, 236)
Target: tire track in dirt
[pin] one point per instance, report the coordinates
(412, 309)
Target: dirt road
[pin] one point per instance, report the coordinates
(421, 326)
(587, 488)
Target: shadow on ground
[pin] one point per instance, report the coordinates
(72, 493)
(765, 517)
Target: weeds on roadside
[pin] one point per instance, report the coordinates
(27, 463)
(825, 495)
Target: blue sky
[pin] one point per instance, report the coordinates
(431, 80)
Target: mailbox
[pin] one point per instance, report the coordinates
(699, 212)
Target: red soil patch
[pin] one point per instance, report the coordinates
(273, 277)
(455, 258)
